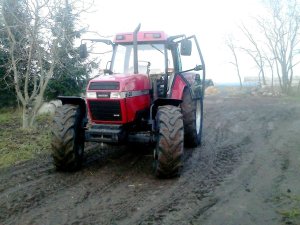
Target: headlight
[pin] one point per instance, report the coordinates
(117, 95)
(91, 95)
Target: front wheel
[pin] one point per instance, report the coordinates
(67, 138)
(168, 153)
(192, 111)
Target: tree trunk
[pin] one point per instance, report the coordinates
(29, 113)
(285, 80)
(239, 75)
(26, 117)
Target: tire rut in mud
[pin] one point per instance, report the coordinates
(204, 169)
(29, 186)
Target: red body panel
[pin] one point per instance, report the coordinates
(177, 89)
(180, 84)
(135, 104)
(128, 82)
(129, 105)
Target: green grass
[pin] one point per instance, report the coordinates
(289, 207)
(6, 117)
(291, 214)
(18, 145)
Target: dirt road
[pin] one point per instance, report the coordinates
(246, 172)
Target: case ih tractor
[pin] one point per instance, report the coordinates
(151, 93)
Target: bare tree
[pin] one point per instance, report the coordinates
(256, 54)
(275, 47)
(271, 66)
(33, 49)
(232, 47)
(32, 64)
(281, 30)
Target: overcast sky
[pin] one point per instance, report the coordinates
(211, 21)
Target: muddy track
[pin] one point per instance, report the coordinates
(117, 187)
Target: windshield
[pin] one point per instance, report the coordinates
(150, 56)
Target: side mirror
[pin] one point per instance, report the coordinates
(186, 47)
(83, 51)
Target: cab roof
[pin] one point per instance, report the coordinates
(143, 36)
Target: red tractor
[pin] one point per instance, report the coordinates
(151, 93)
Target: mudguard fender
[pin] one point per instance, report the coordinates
(177, 88)
(74, 101)
(188, 80)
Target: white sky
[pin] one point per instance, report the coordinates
(210, 20)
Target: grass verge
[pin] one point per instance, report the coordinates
(289, 205)
(18, 145)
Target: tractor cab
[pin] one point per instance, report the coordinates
(152, 53)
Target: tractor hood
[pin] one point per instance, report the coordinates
(120, 82)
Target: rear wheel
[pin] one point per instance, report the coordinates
(67, 138)
(192, 111)
(168, 153)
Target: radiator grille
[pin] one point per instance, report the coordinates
(106, 110)
(104, 86)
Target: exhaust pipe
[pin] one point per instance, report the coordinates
(135, 50)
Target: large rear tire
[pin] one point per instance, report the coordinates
(168, 153)
(192, 112)
(67, 138)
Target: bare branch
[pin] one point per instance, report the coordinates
(230, 45)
